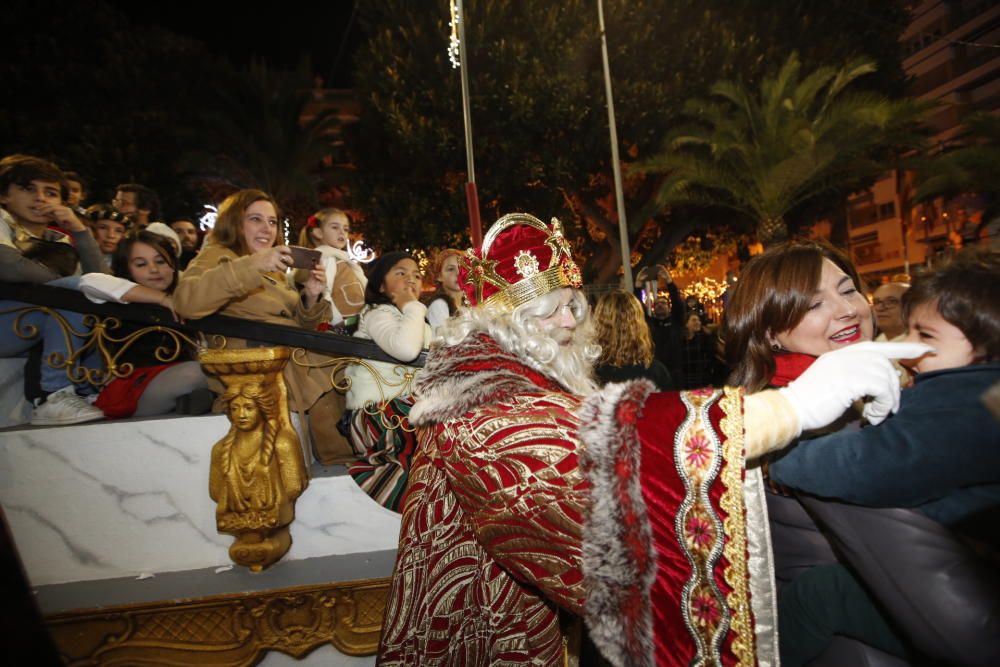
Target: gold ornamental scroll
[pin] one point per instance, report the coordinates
(257, 469)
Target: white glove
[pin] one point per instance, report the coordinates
(837, 379)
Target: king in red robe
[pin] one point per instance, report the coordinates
(530, 506)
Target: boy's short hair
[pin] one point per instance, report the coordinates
(965, 289)
(23, 169)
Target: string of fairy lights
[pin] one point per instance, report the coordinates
(453, 43)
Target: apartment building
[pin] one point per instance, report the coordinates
(950, 52)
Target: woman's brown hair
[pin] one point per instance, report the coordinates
(228, 229)
(773, 294)
(621, 331)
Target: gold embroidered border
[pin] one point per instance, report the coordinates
(733, 505)
(698, 458)
(228, 630)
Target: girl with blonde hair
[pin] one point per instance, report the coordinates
(328, 231)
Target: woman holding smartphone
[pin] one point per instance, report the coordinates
(240, 272)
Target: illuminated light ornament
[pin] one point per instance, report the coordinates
(453, 44)
(359, 253)
(706, 289)
(207, 220)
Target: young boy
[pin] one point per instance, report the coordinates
(31, 198)
(940, 454)
(109, 226)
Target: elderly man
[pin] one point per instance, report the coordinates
(887, 301)
(528, 506)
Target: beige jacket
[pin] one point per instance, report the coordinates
(219, 281)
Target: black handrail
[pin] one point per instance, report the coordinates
(259, 332)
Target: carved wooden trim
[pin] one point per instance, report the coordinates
(227, 630)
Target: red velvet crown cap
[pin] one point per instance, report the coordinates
(522, 258)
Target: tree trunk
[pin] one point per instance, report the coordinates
(772, 231)
(839, 229)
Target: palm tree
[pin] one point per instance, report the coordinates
(767, 152)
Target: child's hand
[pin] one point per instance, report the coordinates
(168, 302)
(315, 284)
(62, 216)
(407, 293)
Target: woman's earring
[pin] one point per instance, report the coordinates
(776, 347)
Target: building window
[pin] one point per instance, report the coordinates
(868, 253)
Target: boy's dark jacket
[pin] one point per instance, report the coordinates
(940, 454)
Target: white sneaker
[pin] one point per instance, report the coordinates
(65, 407)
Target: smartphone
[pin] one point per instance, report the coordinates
(304, 258)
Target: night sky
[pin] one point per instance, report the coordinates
(280, 33)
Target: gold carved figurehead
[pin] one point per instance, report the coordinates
(257, 468)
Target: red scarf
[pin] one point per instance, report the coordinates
(789, 366)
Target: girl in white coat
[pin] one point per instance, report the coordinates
(379, 430)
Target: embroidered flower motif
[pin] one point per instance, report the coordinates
(698, 451)
(526, 264)
(699, 533)
(705, 608)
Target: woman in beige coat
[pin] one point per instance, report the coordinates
(241, 273)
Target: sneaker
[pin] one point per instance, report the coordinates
(64, 407)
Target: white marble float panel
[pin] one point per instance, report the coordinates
(130, 498)
(324, 656)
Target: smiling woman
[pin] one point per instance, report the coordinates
(793, 303)
(241, 273)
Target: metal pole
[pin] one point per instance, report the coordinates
(615, 163)
(471, 194)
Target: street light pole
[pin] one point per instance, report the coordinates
(615, 162)
(471, 194)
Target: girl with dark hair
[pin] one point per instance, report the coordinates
(379, 430)
(145, 267)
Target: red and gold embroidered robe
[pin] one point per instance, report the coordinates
(627, 510)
